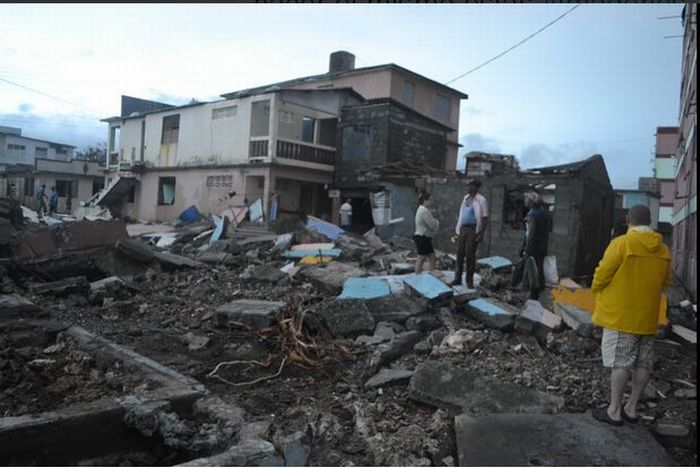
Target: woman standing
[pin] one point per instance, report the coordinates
(426, 226)
(536, 237)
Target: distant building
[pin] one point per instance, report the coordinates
(16, 149)
(479, 164)
(665, 171)
(684, 217)
(626, 199)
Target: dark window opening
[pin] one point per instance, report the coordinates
(97, 185)
(39, 151)
(171, 129)
(166, 190)
(131, 196)
(29, 186)
(308, 130)
(65, 187)
(408, 93)
(327, 132)
(442, 107)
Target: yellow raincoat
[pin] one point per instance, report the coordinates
(629, 282)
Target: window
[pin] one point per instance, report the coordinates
(327, 131)
(442, 107)
(308, 129)
(114, 139)
(356, 143)
(166, 190)
(97, 185)
(408, 93)
(61, 150)
(260, 118)
(12, 147)
(39, 151)
(29, 186)
(171, 129)
(65, 187)
(220, 181)
(131, 195)
(224, 112)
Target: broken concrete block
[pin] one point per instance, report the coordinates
(495, 263)
(256, 314)
(427, 287)
(577, 319)
(171, 260)
(402, 344)
(423, 322)
(331, 277)
(268, 272)
(668, 349)
(214, 408)
(196, 342)
(219, 258)
(396, 308)
(459, 341)
(686, 335)
(73, 285)
(15, 306)
(492, 313)
(533, 310)
(389, 377)
(364, 288)
(249, 452)
(299, 253)
(686, 393)
(553, 440)
(672, 435)
(446, 386)
(295, 448)
(346, 318)
(255, 430)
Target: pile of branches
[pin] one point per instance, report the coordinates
(296, 344)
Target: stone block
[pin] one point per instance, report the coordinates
(553, 440)
(444, 385)
(73, 285)
(331, 277)
(397, 308)
(533, 310)
(492, 313)
(389, 377)
(428, 288)
(495, 263)
(684, 335)
(577, 319)
(247, 453)
(364, 288)
(402, 344)
(253, 313)
(346, 318)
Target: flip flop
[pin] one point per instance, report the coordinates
(601, 414)
(628, 419)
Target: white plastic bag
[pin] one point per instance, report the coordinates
(551, 276)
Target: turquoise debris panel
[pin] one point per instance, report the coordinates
(364, 288)
(329, 230)
(428, 286)
(311, 253)
(488, 307)
(495, 262)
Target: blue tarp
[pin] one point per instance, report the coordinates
(311, 253)
(364, 288)
(190, 215)
(495, 262)
(329, 230)
(428, 286)
(218, 230)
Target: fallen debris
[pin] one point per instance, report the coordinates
(387, 377)
(577, 319)
(492, 313)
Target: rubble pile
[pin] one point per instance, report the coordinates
(334, 347)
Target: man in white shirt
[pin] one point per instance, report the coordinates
(346, 215)
(471, 224)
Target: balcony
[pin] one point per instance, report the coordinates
(305, 152)
(258, 148)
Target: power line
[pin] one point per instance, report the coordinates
(516, 45)
(48, 95)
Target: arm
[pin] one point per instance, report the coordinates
(459, 216)
(608, 266)
(431, 221)
(484, 217)
(530, 234)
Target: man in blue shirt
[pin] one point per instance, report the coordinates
(471, 224)
(41, 208)
(536, 237)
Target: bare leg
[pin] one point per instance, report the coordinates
(419, 264)
(640, 377)
(431, 262)
(618, 381)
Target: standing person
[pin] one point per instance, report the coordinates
(41, 200)
(536, 237)
(471, 224)
(53, 201)
(12, 191)
(345, 215)
(629, 282)
(69, 203)
(426, 226)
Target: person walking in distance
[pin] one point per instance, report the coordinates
(471, 224)
(53, 201)
(536, 237)
(426, 226)
(41, 198)
(346, 215)
(629, 283)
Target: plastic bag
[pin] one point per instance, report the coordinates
(551, 275)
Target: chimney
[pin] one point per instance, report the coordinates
(341, 61)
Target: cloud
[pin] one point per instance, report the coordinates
(478, 142)
(473, 110)
(76, 130)
(25, 108)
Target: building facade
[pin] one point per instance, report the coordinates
(665, 171)
(684, 217)
(16, 149)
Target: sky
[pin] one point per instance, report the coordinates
(600, 80)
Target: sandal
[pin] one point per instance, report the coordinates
(601, 414)
(628, 419)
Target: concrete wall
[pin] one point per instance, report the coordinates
(28, 155)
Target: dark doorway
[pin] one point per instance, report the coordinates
(361, 215)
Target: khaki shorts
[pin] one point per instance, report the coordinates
(625, 351)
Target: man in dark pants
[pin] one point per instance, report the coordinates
(471, 224)
(537, 237)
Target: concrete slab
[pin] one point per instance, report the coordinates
(534, 311)
(578, 319)
(347, 318)
(492, 313)
(389, 377)
(321, 246)
(364, 288)
(444, 385)
(686, 335)
(494, 263)
(428, 287)
(554, 440)
(394, 308)
(402, 344)
(333, 253)
(256, 314)
(15, 306)
(329, 230)
(331, 277)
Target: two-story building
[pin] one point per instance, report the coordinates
(16, 149)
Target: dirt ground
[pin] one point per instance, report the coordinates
(332, 399)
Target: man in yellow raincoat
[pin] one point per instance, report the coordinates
(629, 282)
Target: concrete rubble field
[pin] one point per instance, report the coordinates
(206, 344)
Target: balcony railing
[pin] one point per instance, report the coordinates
(305, 152)
(258, 148)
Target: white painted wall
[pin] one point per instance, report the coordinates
(28, 155)
(665, 168)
